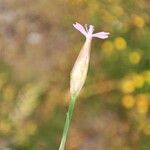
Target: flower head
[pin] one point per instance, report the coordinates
(80, 68)
(88, 31)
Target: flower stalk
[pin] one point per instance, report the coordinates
(67, 123)
(79, 73)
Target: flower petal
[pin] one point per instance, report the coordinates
(80, 28)
(101, 35)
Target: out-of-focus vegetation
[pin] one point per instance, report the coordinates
(38, 47)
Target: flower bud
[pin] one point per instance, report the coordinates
(80, 68)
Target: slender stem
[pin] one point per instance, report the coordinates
(67, 123)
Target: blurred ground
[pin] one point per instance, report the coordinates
(38, 46)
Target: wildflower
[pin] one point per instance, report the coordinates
(80, 68)
(120, 43)
(138, 21)
(127, 86)
(128, 101)
(142, 104)
(79, 73)
(134, 57)
(138, 80)
(146, 75)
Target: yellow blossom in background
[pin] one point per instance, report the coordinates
(107, 47)
(134, 57)
(138, 80)
(142, 104)
(128, 101)
(120, 43)
(127, 86)
(138, 21)
(146, 75)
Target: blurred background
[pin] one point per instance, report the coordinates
(38, 47)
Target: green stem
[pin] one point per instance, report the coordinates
(67, 123)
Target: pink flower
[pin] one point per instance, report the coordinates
(88, 32)
(80, 68)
